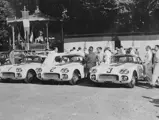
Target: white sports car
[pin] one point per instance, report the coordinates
(68, 67)
(23, 71)
(124, 69)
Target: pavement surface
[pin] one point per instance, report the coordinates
(19, 101)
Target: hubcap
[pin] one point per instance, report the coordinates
(30, 75)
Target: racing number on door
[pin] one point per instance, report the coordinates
(109, 70)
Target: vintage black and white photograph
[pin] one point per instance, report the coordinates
(79, 59)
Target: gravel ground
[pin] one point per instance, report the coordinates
(20, 101)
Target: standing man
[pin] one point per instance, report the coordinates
(156, 69)
(107, 56)
(122, 51)
(12, 57)
(153, 59)
(148, 63)
(90, 60)
(137, 52)
(100, 56)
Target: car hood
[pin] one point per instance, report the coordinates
(12, 68)
(58, 67)
(115, 66)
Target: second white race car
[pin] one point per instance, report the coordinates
(124, 69)
(66, 67)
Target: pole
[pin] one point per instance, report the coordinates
(47, 35)
(62, 35)
(13, 35)
(28, 40)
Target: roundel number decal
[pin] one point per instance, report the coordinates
(109, 70)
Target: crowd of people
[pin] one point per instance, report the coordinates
(97, 57)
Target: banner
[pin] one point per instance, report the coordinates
(26, 25)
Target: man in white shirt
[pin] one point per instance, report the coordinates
(122, 51)
(107, 56)
(132, 52)
(148, 63)
(155, 75)
(100, 56)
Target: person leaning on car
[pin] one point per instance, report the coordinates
(90, 60)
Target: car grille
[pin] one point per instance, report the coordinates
(105, 77)
(8, 75)
(51, 76)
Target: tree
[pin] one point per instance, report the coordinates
(130, 15)
(5, 11)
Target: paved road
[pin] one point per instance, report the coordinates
(20, 101)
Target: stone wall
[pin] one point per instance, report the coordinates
(140, 42)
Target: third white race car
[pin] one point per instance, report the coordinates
(124, 69)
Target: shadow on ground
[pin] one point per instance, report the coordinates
(155, 101)
(89, 83)
(143, 84)
(83, 82)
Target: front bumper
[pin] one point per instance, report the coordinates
(12, 76)
(54, 76)
(110, 78)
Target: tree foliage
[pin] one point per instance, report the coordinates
(130, 15)
(5, 11)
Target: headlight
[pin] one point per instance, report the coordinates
(65, 70)
(38, 70)
(124, 71)
(93, 70)
(19, 70)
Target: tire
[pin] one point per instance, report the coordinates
(133, 81)
(31, 76)
(75, 78)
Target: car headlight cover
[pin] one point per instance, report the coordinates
(64, 70)
(19, 70)
(124, 71)
(38, 70)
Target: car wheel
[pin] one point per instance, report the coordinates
(74, 79)
(31, 76)
(133, 81)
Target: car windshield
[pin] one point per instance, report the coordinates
(68, 59)
(32, 59)
(123, 59)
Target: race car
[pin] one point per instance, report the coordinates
(124, 69)
(25, 70)
(65, 67)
